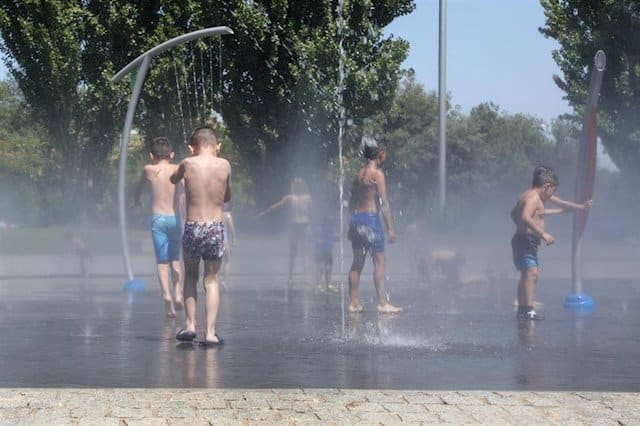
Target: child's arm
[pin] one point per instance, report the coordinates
(570, 205)
(547, 212)
(386, 209)
(514, 214)
(177, 175)
(282, 202)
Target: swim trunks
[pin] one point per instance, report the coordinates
(365, 232)
(166, 234)
(299, 231)
(203, 240)
(323, 245)
(525, 251)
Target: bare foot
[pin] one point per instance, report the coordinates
(169, 312)
(354, 309)
(389, 309)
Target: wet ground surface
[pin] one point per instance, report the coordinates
(71, 333)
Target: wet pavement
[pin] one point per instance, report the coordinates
(81, 351)
(71, 333)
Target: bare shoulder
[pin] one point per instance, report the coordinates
(225, 162)
(186, 161)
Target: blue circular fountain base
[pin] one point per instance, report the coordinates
(578, 302)
(134, 285)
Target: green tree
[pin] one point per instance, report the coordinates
(581, 27)
(25, 157)
(274, 81)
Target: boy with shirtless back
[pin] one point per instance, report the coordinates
(207, 181)
(528, 216)
(368, 197)
(165, 223)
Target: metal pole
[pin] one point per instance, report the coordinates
(341, 122)
(442, 104)
(124, 144)
(151, 53)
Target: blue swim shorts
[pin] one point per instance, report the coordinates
(525, 251)
(365, 232)
(204, 240)
(166, 234)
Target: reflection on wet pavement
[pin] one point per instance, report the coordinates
(63, 333)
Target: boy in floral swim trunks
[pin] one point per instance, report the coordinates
(165, 223)
(207, 180)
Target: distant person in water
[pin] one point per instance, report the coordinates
(369, 199)
(166, 229)
(299, 202)
(324, 237)
(230, 230)
(443, 265)
(528, 216)
(446, 266)
(79, 249)
(207, 181)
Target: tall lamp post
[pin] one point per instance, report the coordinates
(442, 105)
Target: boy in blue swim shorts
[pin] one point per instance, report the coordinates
(207, 181)
(368, 197)
(528, 216)
(165, 222)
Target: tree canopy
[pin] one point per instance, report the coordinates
(273, 81)
(582, 27)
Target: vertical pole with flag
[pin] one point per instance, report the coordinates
(585, 180)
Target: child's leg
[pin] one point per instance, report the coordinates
(178, 278)
(293, 249)
(212, 297)
(359, 256)
(163, 278)
(526, 288)
(328, 271)
(379, 279)
(530, 281)
(191, 292)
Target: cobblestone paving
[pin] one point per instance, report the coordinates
(312, 406)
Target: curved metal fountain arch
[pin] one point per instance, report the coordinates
(142, 63)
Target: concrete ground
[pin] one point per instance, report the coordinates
(312, 406)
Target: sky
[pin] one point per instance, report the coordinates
(494, 53)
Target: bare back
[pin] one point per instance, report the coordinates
(163, 192)
(207, 181)
(368, 185)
